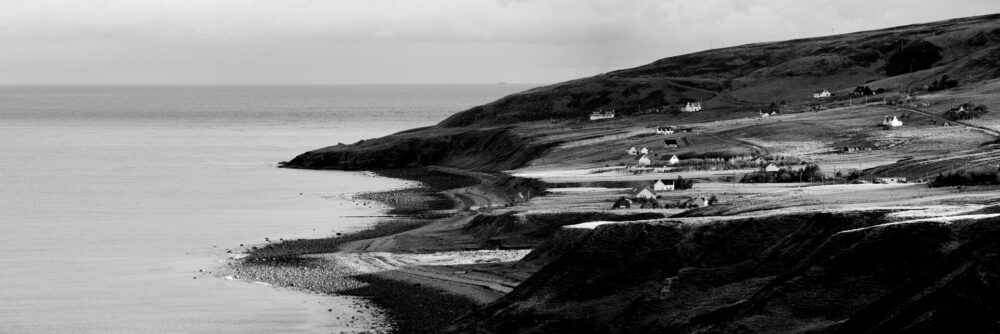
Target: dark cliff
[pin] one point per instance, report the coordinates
(804, 273)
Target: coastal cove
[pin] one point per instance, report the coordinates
(658, 213)
(119, 202)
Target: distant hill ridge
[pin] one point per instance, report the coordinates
(897, 58)
(731, 82)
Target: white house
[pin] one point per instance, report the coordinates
(659, 185)
(664, 130)
(643, 192)
(599, 115)
(643, 161)
(821, 94)
(644, 151)
(632, 151)
(698, 202)
(891, 180)
(891, 122)
(674, 160)
(772, 168)
(692, 107)
(763, 114)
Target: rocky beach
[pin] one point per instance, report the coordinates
(412, 300)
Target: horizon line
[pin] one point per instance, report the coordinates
(266, 84)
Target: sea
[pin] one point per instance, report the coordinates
(119, 203)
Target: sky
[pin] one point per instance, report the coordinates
(405, 41)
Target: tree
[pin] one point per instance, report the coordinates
(944, 83)
(680, 183)
(653, 203)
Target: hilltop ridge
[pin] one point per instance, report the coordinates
(732, 78)
(733, 83)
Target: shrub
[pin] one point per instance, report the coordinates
(811, 173)
(681, 183)
(968, 177)
(943, 83)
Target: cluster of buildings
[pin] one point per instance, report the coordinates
(888, 122)
(610, 114)
(599, 115)
(646, 193)
(642, 157)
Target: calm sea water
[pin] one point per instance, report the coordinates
(112, 198)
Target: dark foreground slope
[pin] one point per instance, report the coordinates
(807, 273)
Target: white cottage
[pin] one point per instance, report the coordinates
(664, 130)
(644, 151)
(659, 185)
(674, 160)
(891, 122)
(643, 161)
(772, 168)
(643, 192)
(692, 107)
(821, 94)
(632, 151)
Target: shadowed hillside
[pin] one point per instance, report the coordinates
(855, 272)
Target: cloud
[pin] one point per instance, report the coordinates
(523, 40)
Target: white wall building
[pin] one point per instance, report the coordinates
(821, 94)
(692, 107)
(643, 161)
(599, 115)
(891, 121)
(659, 185)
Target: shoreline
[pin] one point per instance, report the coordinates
(409, 304)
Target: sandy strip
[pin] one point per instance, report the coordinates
(442, 270)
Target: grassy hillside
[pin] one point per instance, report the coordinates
(548, 126)
(749, 76)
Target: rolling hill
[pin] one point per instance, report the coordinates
(900, 58)
(734, 84)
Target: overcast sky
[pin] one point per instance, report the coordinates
(404, 41)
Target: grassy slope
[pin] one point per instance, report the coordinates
(763, 72)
